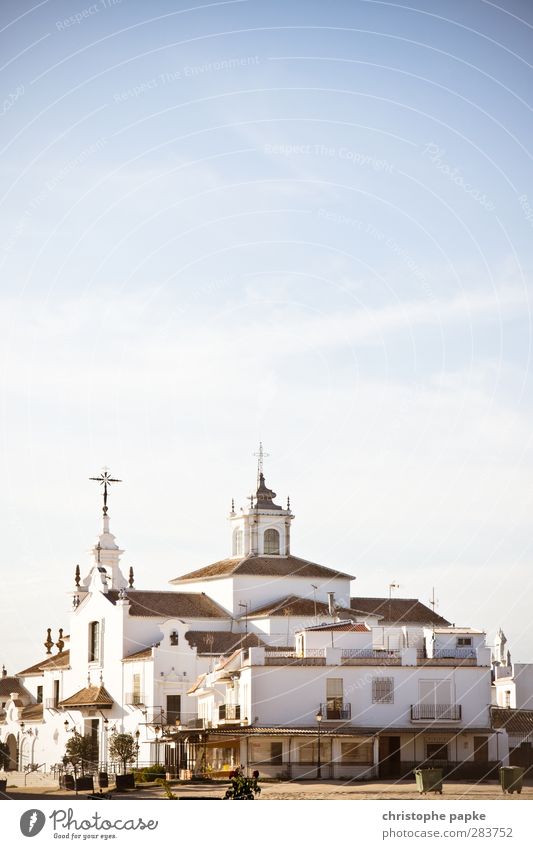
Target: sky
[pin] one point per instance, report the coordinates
(304, 223)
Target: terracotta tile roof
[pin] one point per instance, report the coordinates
(9, 685)
(342, 626)
(514, 721)
(56, 661)
(197, 683)
(32, 713)
(398, 610)
(293, 605)
(169, 604)
(89, 697)
(221, 642)
(263, 566)
(139, 655)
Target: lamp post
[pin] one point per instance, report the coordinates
(157, 730)
(319, 717)
(137, 735)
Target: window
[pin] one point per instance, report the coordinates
(383, 691)
(308, 752)
(39, 694)
(173, 709)
(437, 751)
(237, 542)
(56, 692)
(271, 541)
(507, 698)
(464, 641)
(136, 689)
(334, 698)
(435, 692)
(267, 752)
(94, 641)
(357, 752)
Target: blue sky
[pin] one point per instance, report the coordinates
(305, 223)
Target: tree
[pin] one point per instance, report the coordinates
(80, 751)
(123, 748)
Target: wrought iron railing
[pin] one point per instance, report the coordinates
(229, 712)
(434, 711)
(339, 711)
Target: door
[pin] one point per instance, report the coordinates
(481, 749)
(389, 757)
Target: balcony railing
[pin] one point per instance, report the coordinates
(454, 651)
(134, 699)
(231, 713)
(376, 653)
(339, 711)
(440, 712)
(51, 704)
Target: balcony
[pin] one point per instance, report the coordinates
(463, 653)
(134, 699)
(52, 704)
(229, 713)
(336, 711)
(432, 712)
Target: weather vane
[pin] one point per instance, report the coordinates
(105, 480)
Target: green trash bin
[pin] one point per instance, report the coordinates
(511, 778)
(429, 779)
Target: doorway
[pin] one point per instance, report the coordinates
(389, 757)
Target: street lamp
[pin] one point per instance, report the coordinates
(137, 735)
(319, 717)
(157, 730)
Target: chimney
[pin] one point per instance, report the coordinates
(331, 604)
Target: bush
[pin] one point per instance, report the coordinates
(242, 787)
(150, 773)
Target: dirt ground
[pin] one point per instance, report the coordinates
(307, 790)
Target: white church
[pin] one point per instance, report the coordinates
(263, 659)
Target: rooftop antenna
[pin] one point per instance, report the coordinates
(260, 457)
(433, 601)
(393, 586)
(314, 599)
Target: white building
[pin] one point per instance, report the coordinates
(272, 640)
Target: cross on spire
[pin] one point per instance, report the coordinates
(260, 457)
(105, 480)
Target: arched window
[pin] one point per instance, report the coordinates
(271, 541)
(237, 542)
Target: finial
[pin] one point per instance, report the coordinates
(60, 643)
(105, 480)
(101, 677)
(77, 576)
(130, 579)
(75, 601)
(98, 550)
(251, 500)
(233, 505)
(288, 503)
(88, 679)
(49, 641)
(4, 671)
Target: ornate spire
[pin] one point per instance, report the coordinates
(49, 641)
(77, 576)
(265, 496)
(130, 578)
(260, 457)
(60, 643)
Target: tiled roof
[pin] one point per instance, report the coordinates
(9, 685)
(139, 655)
(170, 604)
(89, 697)
(398, 610)
(221, 642)
(514, 721)
(32, 713)
(197, 683)
(56, 661)
(342, 626)
(263, 566)
(293, 605)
